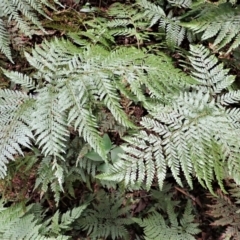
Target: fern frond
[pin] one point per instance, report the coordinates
(77, 92)
(225, 212)
(101, 223)
(155, 226)
(205, 156)
(171, 25)
(5, 41)
(152, 11)
(79, 115)
(194, 134)
(28, 222)
(15, 116)
(229, 98)
(23, 14)
(220, 21)
(127, 21)
(17, 222)
(20, 78)
(63, 222)
(181, 3)
(207, 72)
(175, 33)
(50, 177)
(49, 122)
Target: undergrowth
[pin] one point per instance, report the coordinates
(114, 116)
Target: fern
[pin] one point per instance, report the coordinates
(194, 134)
(23, 13)
(209, 74)
(16, 225)
(101, 223)
(219, 21)
(127, 21)
(28, 222)
(168, 23)
(69, 81)
(5, 41)
(225, 211)
(15, 111)
(181, 3)
(62, 222)
(156, 227)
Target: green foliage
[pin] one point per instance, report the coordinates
(4, 40)
(69, 81)
(108, 217)
(181, 3)
(116, 105)
(195, 134)
(219, 21)
(174, 227)
(14, 130)
(20, 222)
(167, 22)
(23, 15)
(225, 211)
(127, 21)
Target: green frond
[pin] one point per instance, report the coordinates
(127, 21)
(229, 97)
(219, 21)
(152, 11)
(15, 116)
(23, 14)
(49, 122)
(63, 222)
(225, 212)
(20, 78)
(18, 223)
(5, 40)
(174, 145)
(79, 115)
(156, 227)
(50, 177)
(44, 174)
(208, 72)
(29, 222)
(181, 3)
(97, 33)
(175, 33)
(195, 134)
(101, 223)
